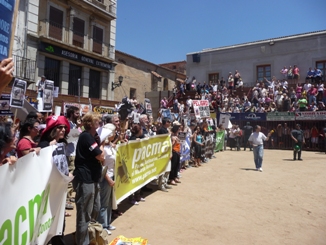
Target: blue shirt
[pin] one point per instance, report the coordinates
(318, 73)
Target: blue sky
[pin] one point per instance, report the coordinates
(162, 31)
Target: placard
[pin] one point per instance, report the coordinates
(48, 95)
(201, 108)
(18, 91)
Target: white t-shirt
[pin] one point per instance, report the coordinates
(109, 159)
(257, 138)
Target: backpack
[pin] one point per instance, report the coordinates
(97, 235)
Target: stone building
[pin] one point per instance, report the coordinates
(259, 59)
(141, 77)
(67, 40)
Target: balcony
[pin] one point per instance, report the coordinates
(106, 7)
(24, 68)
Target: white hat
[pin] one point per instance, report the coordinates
(105, 131)
(176, 123)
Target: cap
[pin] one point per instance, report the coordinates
(176, 123)
(54, 121)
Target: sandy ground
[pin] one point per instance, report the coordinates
(226, 202)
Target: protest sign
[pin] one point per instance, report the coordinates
(201, 108)
(4, 105)
(139, 162)
(182, 136)
(48, 95)
(34, 206)
(18, 91)
(185, 149)
(224, 120)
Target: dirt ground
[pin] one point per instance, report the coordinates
(227, 202)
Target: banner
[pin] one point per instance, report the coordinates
(33, 194)
(209, 144)
(18, 93)
(219, 140)
(4, 105)
(310, 115)
(224, 119)
(280, 116)
(185, 149)
(139, 162)
(201, 108)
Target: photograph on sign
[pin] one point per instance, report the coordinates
(18, 93)
(4, 105)
(48, 95)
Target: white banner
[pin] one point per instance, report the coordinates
(33, 194)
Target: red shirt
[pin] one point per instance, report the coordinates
(24, 144)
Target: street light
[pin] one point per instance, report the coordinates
(118, 84)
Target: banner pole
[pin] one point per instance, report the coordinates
(15, 116)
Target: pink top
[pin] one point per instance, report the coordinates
(298, 89)
(24, 144)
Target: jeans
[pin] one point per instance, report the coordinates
(104, 217)
(312, 98)
(258, 155)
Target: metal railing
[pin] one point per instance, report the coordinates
(24, 68)
(107, 6)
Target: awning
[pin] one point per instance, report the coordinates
(156, 74)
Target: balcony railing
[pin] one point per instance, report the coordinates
(107, 6)
(24, 68)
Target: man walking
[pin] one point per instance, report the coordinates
(297, 136)
(247, 132)
(257, 139)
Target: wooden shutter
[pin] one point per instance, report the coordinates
(97, 39)
(55, 23)
(78, 30)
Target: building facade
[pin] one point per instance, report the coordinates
(256, 60)
(141, 77)
(71, 42)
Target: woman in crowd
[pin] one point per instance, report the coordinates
(298, 90)
(136, 134)
(55, 133)
(6, 144)
(107, 180)
(198, 143)
(175, 160)
(28, 132)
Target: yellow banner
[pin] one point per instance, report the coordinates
(138, 162)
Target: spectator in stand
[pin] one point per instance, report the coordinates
(284, 72)
(164, 103)
(230, 83)
(175, 105)
(310, 75)
(292, 95)
(321, 106)
(296, 74)
(290, 73)
(302, 103)
(318, 75)
(175, 91)
(236, 78)
(189, 104)
(320, 88)
(222, 82)
(286, 102)
(182, 88)
(312, 107)
(298, 90)
(312, 94)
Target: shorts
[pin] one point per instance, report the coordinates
(296, 76)
(314, 140)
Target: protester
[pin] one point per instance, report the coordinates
(107, 180)
(256, 140)
(198, 142)
(175, 160)
(26, 144)
(6, 144)
(88, 169)
(298, 138)
(55, 133)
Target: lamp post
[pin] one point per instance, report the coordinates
(118, 84)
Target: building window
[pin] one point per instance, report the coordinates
(132, 93)
(55, 23)
(213, 78)
(97, 39)
(94, 84)
(165, 85)
(52, 70)
(78, 32)
(263, 71)
(321, 65)
(75, 73)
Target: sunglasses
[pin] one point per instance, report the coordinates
(61, 127)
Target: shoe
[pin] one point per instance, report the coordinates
(141, 199)
(294, 159)
(260, 170)
(257, 169)
(177, 181)
(167, 187)
(164, 190)
(69, 206)
(107, 231)
(300, 159)
(146, 189)
(134, 202)
(111, 228)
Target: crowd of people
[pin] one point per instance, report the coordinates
(286, 94)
